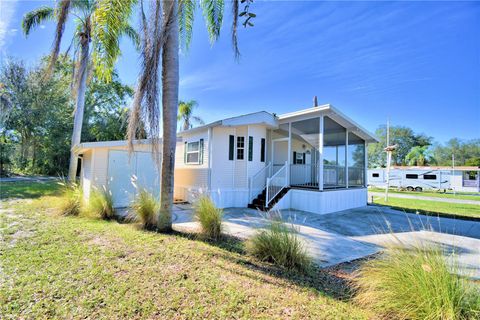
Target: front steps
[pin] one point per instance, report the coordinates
(259, 202)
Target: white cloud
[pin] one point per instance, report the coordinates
(7, 10)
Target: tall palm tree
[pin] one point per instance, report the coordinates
(168, 22)
(90, 31)
(185, 114)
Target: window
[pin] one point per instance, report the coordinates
(231, 147)
(375, 175)
(262, 150)
(411, 176)
(240, 148)
(192, 152)
(298, 158)
(250, 148)
(430, 176)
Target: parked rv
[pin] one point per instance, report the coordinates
(464, 179)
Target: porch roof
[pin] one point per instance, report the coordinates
(334, 114)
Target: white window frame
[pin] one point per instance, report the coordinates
(192, 152)
(240, 148)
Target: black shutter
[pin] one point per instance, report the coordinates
(262, 150)
(185, 153)
(250, 148)
(200, 159)
(231, 146)
(294, 157)
(304, 158)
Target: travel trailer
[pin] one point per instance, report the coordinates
(311, 160)
(461, 179)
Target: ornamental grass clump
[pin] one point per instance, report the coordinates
(101, 204)
(416, 283)
(70, 203)
(209, 217)
(145, 210)
(280, 244)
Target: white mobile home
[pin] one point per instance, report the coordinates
(312, 160)
(462, 179)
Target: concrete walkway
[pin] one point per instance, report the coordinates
(412, 196)
(351, 234)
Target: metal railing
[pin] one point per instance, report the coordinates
(333, 176)
(276, 183)
(258, 182)
(305, 175)
(356, 176)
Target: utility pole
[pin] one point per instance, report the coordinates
(453, 172)
(388, 149)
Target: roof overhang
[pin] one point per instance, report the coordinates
(334, 114)
(85, 146)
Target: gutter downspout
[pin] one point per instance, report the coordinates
(210, 144)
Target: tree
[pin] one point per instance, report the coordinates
(420, 156)
(464, 151)
(160, 38)
(405, 139)
(185, 114)
(88, 28)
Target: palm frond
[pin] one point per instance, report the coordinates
(236, 51)
(61, 13)
(34, 18)
(109, 21)
(186, 17)
(213, 14)
(132, 34)
(198, 120)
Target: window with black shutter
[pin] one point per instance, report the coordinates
(250, 148)
(240, 148)
(231, 147)
(262, 150)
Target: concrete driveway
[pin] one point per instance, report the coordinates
(351, 234)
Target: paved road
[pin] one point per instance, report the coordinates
(27, 179)
(419, 197)
(351, 234)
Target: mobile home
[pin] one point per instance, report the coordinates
(312, 160)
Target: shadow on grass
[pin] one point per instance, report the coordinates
(28, 190)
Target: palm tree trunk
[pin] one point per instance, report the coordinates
(79, 107)
(170, 84)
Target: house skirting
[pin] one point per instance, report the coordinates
(323, 202)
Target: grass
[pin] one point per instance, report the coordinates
(280, 244)
(70, 203)
(29, 190)
(76, 267)
(101, 204)
(209, 217)
(416, 284)
(434, 194)
(145, 208)
(455, 210)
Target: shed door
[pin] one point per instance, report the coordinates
(126, 174)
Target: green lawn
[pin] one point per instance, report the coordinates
(29, 190)
(471, 196)
(432, 207)
(75, 267)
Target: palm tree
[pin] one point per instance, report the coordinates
(167, 23)
(185, 114)
(90, 31)
(420, 156)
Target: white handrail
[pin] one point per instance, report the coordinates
(276, 183)
(258, 181)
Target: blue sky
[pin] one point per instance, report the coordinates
(415, 62)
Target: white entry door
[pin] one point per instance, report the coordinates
(127, 174)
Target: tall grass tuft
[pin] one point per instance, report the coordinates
(416, 283)
(70, 203)
(101, 204)
(280, 244)
(209, 217)
(145, 208)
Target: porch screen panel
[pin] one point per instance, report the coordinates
(334, 139)
(356, 161)
(305, 150)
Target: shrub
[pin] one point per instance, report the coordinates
(280, 244)
(416, 284)
(70, 203)
(101, 204)
(209, 217)
(146, 208)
